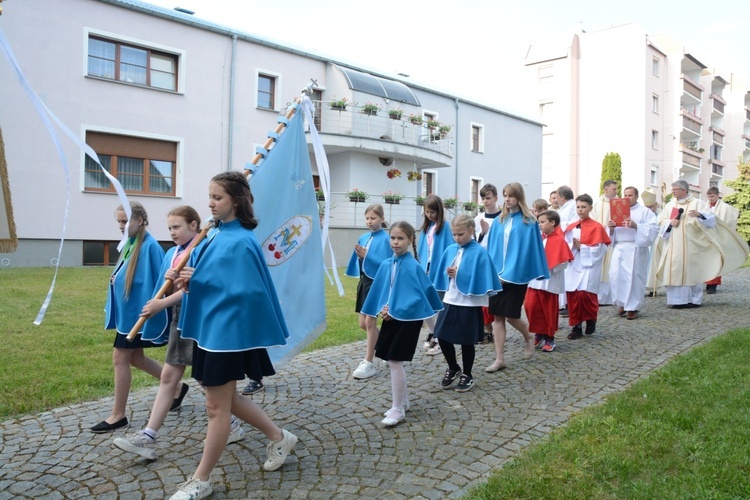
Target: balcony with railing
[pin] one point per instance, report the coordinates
(691, 159)
(717, 135)
(692, 88)
(718, 104)
(747, 114)
(691, 122)
(346, 211)
(350, 127)
(747, 141)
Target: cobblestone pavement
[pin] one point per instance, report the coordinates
(448, 442)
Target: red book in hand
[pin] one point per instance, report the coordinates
(674, 213)
(619, 210)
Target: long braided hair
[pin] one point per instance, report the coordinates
(137, 212)
(410, 233)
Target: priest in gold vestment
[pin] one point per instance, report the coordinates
(696, 246)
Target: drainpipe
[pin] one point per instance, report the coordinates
(230, 142)
(455, 175)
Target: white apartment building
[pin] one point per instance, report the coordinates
(619, 90)
(168, 100)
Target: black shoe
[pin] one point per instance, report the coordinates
(105, 426)
(465, 383)
(691, 305)
(564, 312)
(711, 289)
(590, 327)
(178, 400)
(252, 387)
(450, 376)
(575, 333)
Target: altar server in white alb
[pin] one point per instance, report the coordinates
(631, 242)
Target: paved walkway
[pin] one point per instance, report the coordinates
(448, 442)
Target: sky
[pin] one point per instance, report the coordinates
(465, 47)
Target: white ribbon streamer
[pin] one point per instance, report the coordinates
(321, 161)
(46, 114)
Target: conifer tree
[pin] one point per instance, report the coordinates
(611, 169)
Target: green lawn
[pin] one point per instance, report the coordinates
(684, 432)
(68, 358)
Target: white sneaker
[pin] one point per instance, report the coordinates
(366, 369)
(193, 489)
(279, 450)
(237, 433)
(140, 444)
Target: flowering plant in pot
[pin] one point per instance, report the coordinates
(413, 175)
(357, 195)
(416, 119)
(371, 108)
(393, 173)
(393, 198)
(450, 202)
(339, 104)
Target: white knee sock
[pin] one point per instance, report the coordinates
(398, 383)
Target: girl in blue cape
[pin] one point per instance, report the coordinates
(468, 278)
(516, 248)
(130, 286)
(183, 223)
(404, 296)
(231, 309)
(436, 237)
(371, 249)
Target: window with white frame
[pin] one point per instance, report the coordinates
(476, 186)
(268, 89)
(142, 165)
(477, 138)
(654, 181)
(429, 182)
(133, 63)
(546, 109)
(655, 66)
(654, 139)
(545, 73)
(655, 103)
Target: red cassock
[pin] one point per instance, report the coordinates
(542, 307)
(583, 305)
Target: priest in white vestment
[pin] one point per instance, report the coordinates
(631, 242)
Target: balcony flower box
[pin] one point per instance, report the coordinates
(395, 114)
(339, 104)
(416, 119)
(393, 198)
(370, 109)
(450, 202)
(356, 195)
(419, 200)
